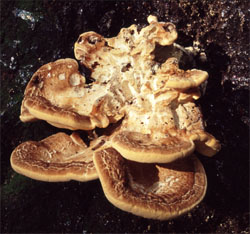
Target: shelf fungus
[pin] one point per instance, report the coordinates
(144, 104)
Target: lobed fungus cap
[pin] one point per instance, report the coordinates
(155, 191)
(145, 161)
(59, 157)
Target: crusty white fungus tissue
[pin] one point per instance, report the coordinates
(145, 105)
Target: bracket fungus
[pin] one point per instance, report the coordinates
(145, 105)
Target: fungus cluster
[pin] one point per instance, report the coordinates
(145, 105)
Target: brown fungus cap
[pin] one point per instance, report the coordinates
(173, 131)
(144, 148)
(57, 158)
(155, 191)
(51, 93)
(173, 77)
(58, 94)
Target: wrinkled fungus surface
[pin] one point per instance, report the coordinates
(34, 33)
(152, 109)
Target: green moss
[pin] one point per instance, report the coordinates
(14, 186)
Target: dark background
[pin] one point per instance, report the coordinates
(34, 33)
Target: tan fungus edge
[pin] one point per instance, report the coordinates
(56, 115)
(52, 177)
(151, 155)
(194, 79)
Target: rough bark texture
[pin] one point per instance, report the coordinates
(36, 32)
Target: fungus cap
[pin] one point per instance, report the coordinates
(59, 157)
(57, 93)
(140, 147)
(205, 143)
(173, 77)
(155, 191)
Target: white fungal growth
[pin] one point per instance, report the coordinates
(62, 76)
(74, 79)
